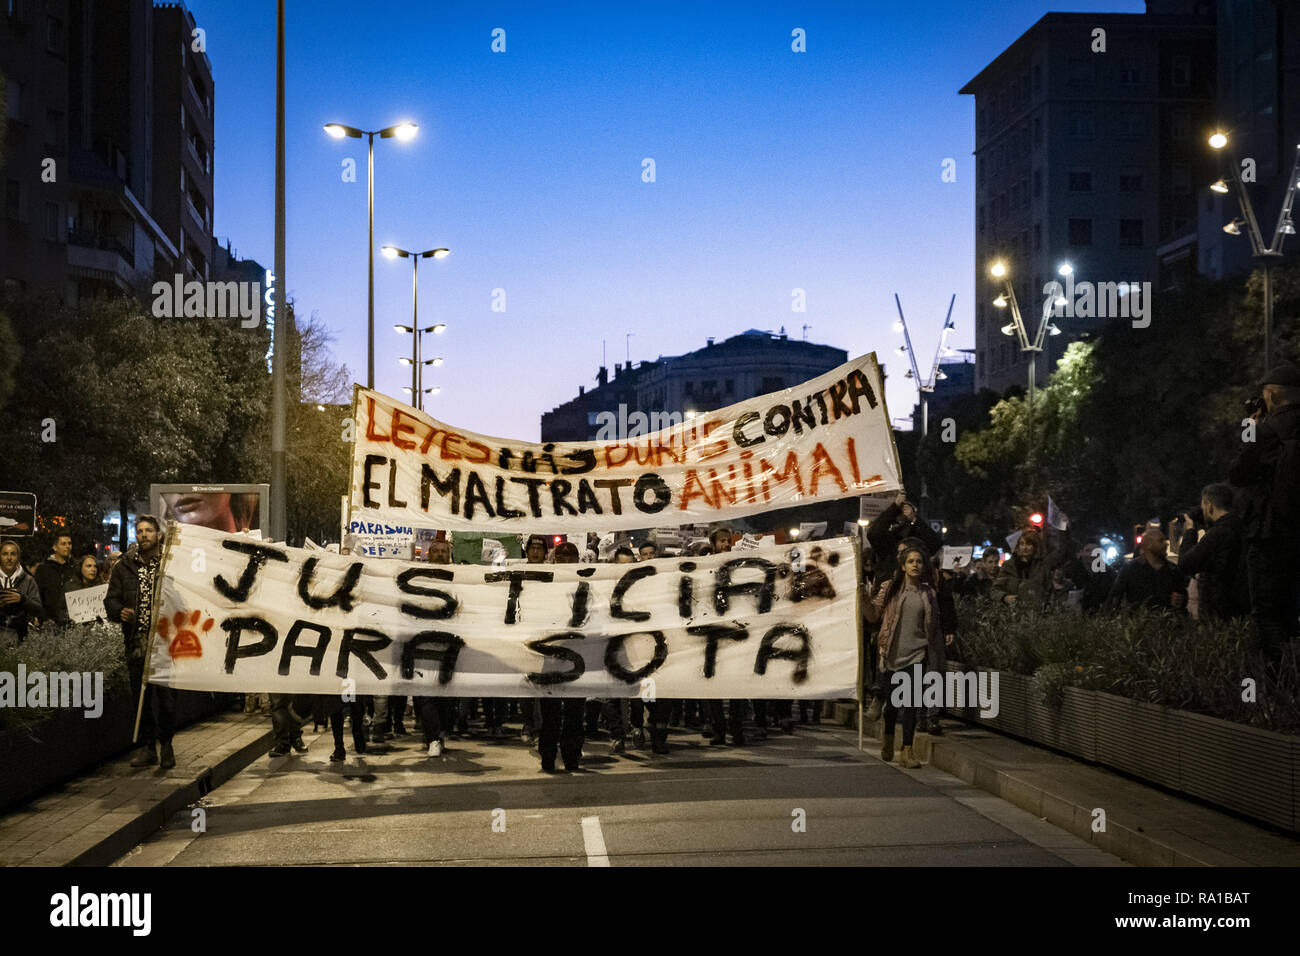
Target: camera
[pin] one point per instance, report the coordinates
(1254, 406)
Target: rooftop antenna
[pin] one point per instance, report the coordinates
(805, 331)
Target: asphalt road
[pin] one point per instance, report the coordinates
(804, 799)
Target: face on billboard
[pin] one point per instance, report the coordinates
(213, 509)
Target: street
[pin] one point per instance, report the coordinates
(487, 803)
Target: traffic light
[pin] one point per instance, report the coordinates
(1036, 519)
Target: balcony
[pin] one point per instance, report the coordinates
(103, 259)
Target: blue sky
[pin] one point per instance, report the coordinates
(774, 170)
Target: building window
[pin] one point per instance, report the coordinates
(1130, 232)
(1130, 71)
(1080, 181)
(1080, 232)
(50, 222)
(1130, 123)
(1038, 236)
(1180, 179)
(15, 98)
(1180, 126)
(1081, 124)
(1181, 71)
(1130, 182)
(1080, 70)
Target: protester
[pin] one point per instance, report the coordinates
(1059, 588)
(130, 600)
(1025, 578)
(20, 598)
(1219, 558)
(1090, 574)
(1268, 472)
(979, 583)
(907, 608)
(648, 551)
(733, 719)
(1150, 580)
(52, 576)
(87, 576)
(535, 552)
(436, 714)
(900, 520)
(562, 718)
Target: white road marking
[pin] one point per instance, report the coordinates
(594, 842)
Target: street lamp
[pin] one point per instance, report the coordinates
(392, 252)
(402, 132)
(1007, 299)
(1264, 254)
(924, 386)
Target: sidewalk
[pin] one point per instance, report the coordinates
(1144, 824)
(94, 819)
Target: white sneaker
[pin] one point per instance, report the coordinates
(435, 748)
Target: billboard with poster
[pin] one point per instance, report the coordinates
(230, 508)
(17, 513)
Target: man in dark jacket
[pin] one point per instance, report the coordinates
(1219, 558)
(1268, 469)
(1026, 577)
(891, 526)
(130, 600)
(20, 599)
(53, 575)
(1150, 580)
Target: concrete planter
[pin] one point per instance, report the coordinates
(1244, 769)
(41, 756)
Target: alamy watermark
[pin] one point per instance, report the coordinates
(76, 690)
(1100, 300)
(954, 690)
(179, 299)
(616, 426)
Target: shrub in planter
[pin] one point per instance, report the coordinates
(78, 648)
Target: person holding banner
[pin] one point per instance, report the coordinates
(436, 714)
(562, 718)
(129, 600)
(734, 719)
(907, 607)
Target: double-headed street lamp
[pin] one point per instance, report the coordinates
(924, 386)
(417, 365)
(402, 132)
(1007, 299)
(1265, 254)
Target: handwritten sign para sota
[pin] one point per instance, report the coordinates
(257, 616)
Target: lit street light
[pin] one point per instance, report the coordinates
(392, 252)
(1264, 254)
(402, 132)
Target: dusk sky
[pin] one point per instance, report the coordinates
(775, 170)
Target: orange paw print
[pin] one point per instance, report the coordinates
(185, 643)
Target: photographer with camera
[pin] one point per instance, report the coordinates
(1268, 472)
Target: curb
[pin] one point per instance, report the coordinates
(1127, 842)
(196, 782)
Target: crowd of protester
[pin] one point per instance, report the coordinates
(1236, 554)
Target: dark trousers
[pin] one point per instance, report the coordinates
(891, 712)
(158, 718)
(437, 716)
(733, 722)
(333, 706)
(562, 725)
(494, 712)
(285, 724)
(1274, 569)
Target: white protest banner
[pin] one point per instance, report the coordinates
(829, 438)
(283, 620)
(87, 604)
(956, 558)
(1012, 539)
(1055, 518)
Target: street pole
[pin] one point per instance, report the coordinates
(279, 483)
(415, 326)
(1268, 314)
(370, 265)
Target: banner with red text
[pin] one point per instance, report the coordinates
(828, 438)
(235, 614)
